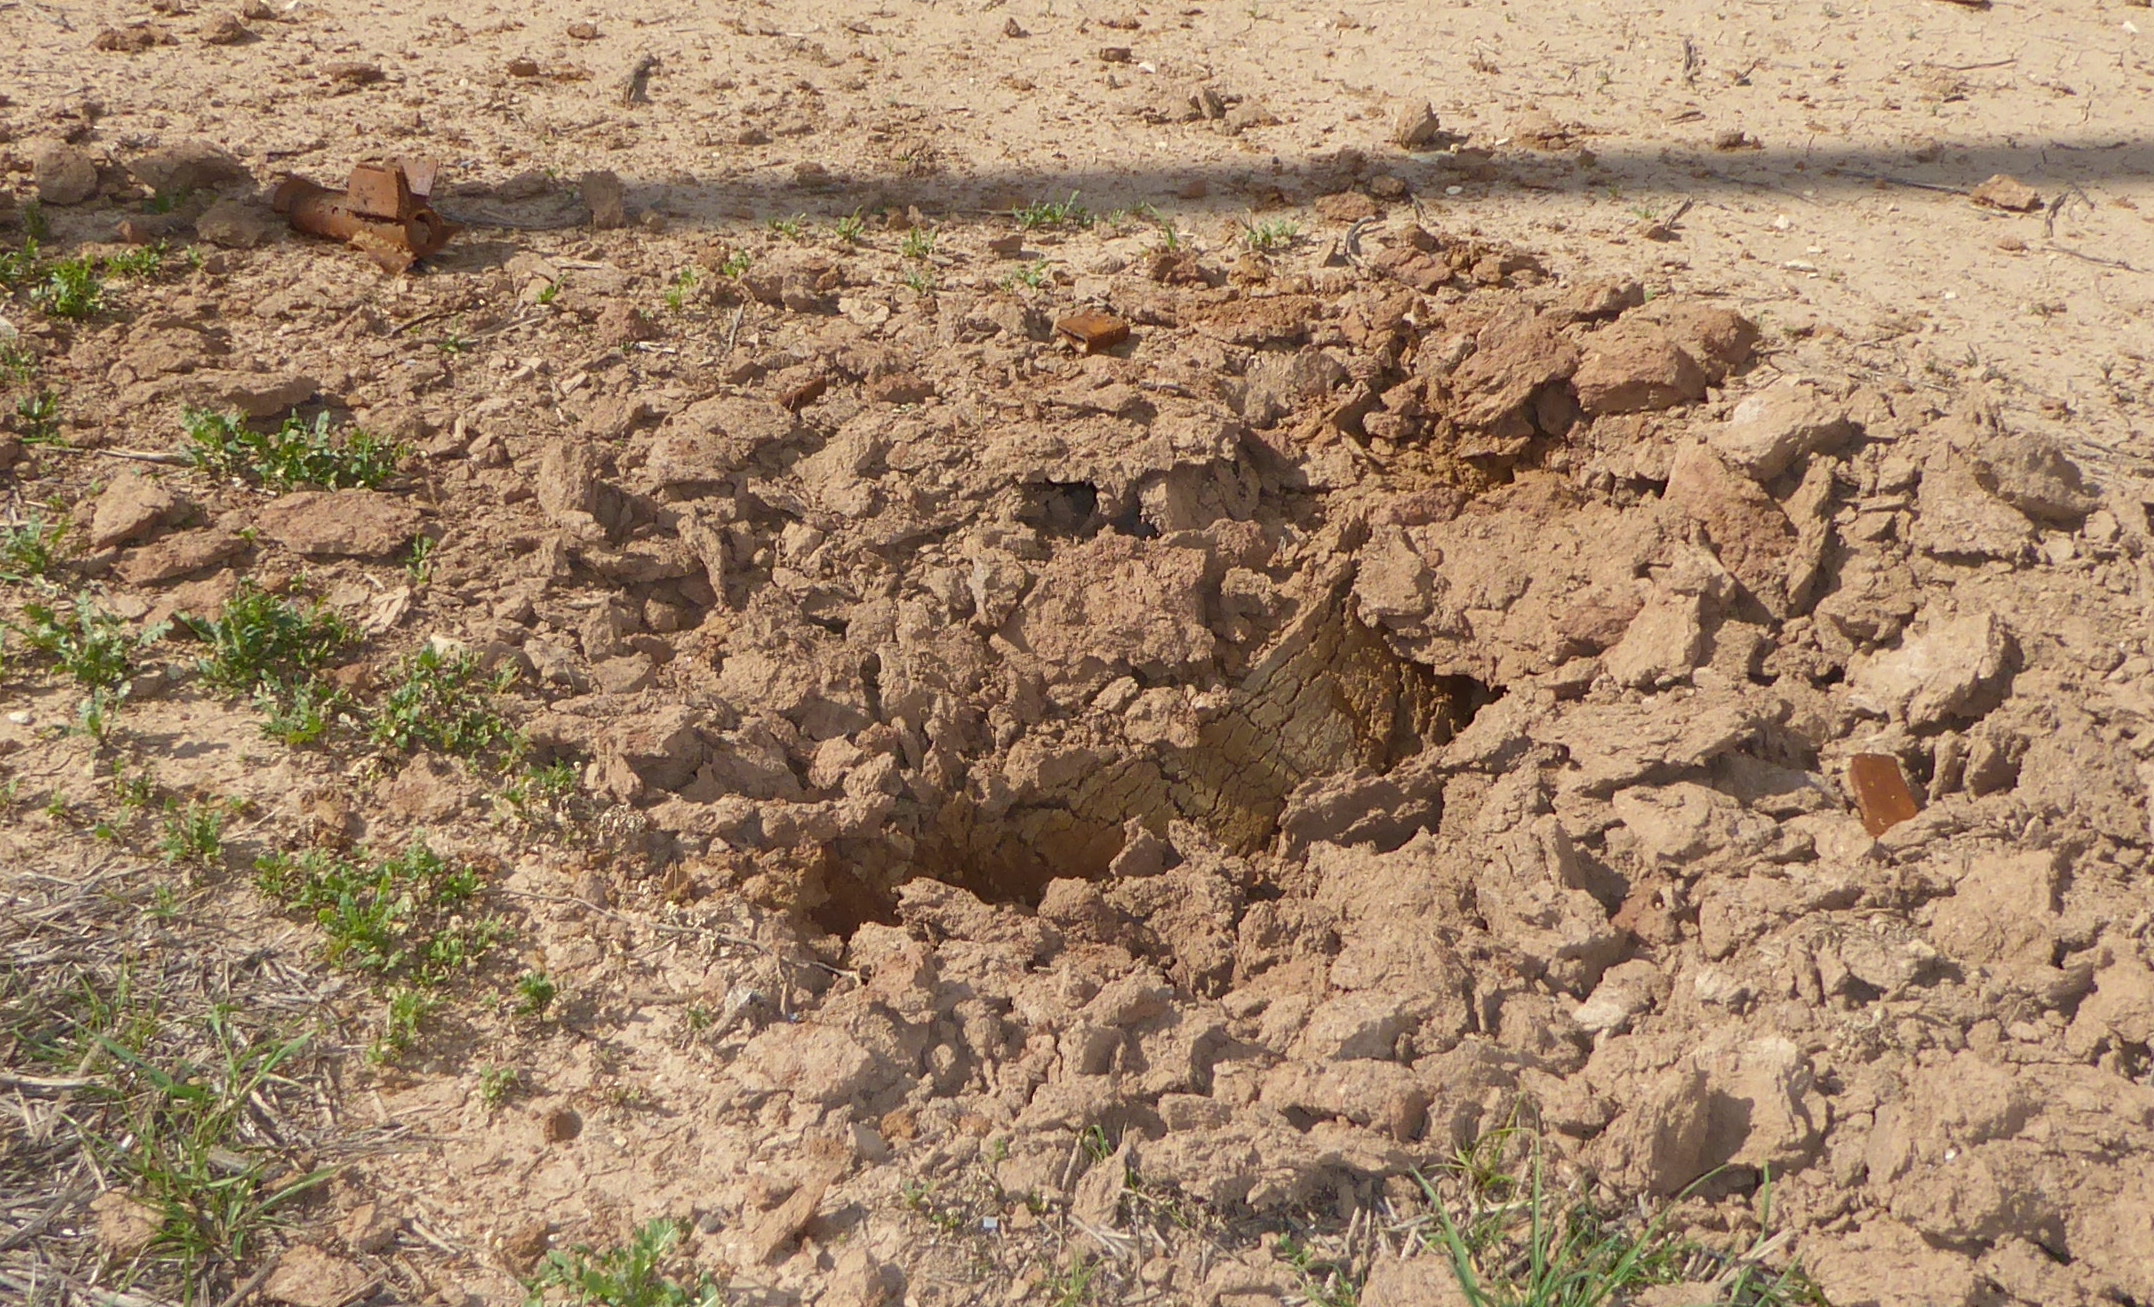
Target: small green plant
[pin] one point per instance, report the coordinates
(18, 362)
(1324, 1281)
(1071, 1286)
(445, 703)
(852, 229)
(36, 224)
(166, 201)
(403, 1019)
(295, 454)
(39, 416)
(791, 228)
(17, 267)
(736, 264)
(1048, 213)
(194, 833)
(535, 992)
(1032, 275)
(637, 1274)
(548, 292)
(31, 549)
(919, 243)
(1271, 234)
(496, 1083)
(920, 280)
(452, 344)
(147, 261)
(89, 644)
(420, 567)
(682, 291)
(409, 920)
(72, 288)
(1514, 1242)
(260, 637)
(1170, 240)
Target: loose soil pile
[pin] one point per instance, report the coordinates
(947, 816)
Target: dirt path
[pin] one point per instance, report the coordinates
(736, 719)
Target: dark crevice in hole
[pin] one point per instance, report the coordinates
(1062, 508)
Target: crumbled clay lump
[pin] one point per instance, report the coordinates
(1361, 712)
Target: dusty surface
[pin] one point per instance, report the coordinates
(1036, 807)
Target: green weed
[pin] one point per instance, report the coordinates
(18, 362)
(1047, 213)
(633, 1275)
(36, 223)
(31, 549)
(166, 201)
(261, 640)
(72, 288)
(919, 243)
(1324, 1282)
(535, 992)
(496, 1083)
(17, 267)
(147, 261)
(736, 264)
(852, 230)
(90, 645)
(1513, 1242)
(791, 228)
(403, 1018)
(549, 292)
(682, 291)
(408, 918)
(295, 454)
(444, 703)
(920, 280)
(194, 833)
(1072, 1287)
(1032, 275)
(39, 416)
(1275, 233)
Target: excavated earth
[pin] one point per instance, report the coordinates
(1039, 808)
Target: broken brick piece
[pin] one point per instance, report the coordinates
(1094, 330)
(1881, 793)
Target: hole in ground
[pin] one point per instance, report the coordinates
(1326, 697)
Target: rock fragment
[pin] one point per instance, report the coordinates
(132, 507)
(1634, 366)
(193, 165)
(606, 198)
(64, 174)
(340, 523)
(1768, 431)
(1416, 127)
(2007, 193)
(1950, 670)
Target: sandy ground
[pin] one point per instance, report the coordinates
(1038, 826)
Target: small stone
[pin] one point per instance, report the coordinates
(785, 1222)
(370, 1228)
(340, 523)
(1768, 431)
(65, 174)
(132, 39)
(188, 166)
(131, 507)
(583, 31)
(236, 225)
(1416, 127)
(224, 29)
(606, 198)
(353, 72)
(1114, 54)
(1633, 367)
(561, 1125)
(125, 1225)
(178, 554)
(308, 1277)
(2007, 193)
(523, 67)
(1013, 30)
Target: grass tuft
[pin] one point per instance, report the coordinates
(1048, 213)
